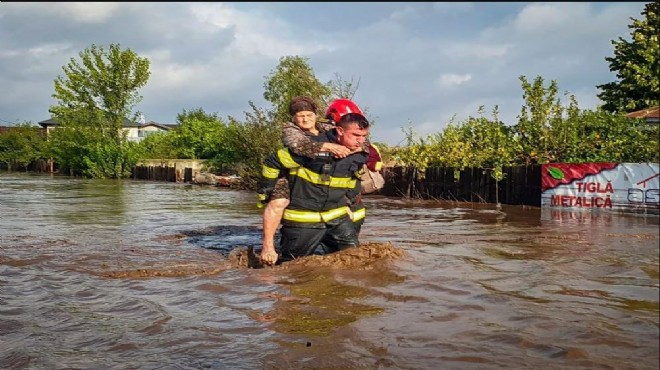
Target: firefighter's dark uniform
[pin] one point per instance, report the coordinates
(323, 190)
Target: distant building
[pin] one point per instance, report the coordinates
(135, 131)
(650, 115)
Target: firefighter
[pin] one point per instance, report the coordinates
(298, 136)
(322, 191)
(371, 180)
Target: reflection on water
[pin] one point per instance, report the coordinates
(132, 274)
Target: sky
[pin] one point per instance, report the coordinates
(418, 65)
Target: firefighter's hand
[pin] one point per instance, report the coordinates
(268, 256)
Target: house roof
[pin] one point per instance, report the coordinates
(49, 122)
(651, 113)
(163, 126)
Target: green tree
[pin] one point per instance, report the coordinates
(105, 81)
(293, 77)
(542, 132)
(341, 89)
(253, 140)
(95, 97)
(636, 65)
(161, 145)
(82, 150)
(20, 146)
(344, 89)
(199, 134)
(601, 136)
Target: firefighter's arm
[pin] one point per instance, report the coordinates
(275, 165)
(270, 171)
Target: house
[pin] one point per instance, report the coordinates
(650, 115)
(135, 131)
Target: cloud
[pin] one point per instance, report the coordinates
(89, 12)
(453, 7)
(452, 79)
(416, 62)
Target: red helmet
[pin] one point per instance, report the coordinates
(340, 107)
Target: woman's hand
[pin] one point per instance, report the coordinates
(337, 150)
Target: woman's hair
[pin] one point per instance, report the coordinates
(301, 103)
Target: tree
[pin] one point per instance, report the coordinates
(292, 77)
(20, 146)
(94, 97)
(637, 66)
(199, 134)
(341, 89)
(106, 83)
(253, 140)
(535, 116)
(605, 137)
(344, 89)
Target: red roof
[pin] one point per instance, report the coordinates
(652, 112)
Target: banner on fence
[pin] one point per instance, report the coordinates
(613, 186)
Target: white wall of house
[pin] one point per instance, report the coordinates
(132, 132)
(139, 133)
(136, 133)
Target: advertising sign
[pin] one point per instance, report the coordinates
(628, 187)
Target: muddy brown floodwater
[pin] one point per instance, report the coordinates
(105, 274)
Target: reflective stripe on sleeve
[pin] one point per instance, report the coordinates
(359, 214)
(285, 158)
(269, 172)
(262, 199)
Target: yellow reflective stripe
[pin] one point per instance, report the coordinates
(315, 178)
(343, 182)
(379, 164)
(359, 214)
(309, 216)
(261, 198)
(285, 158)
(269, 172)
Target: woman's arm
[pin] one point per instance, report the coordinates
(302, 144)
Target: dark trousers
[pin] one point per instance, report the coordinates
(334, 236)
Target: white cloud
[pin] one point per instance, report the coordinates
(255, 34)
(453, 7)
(452, 79)
(403, 14)
(89, 12)
(476, 50)
(48, 50)
(412, 59)
(537, 17)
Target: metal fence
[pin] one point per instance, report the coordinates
(521, 184)
(154, 173)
